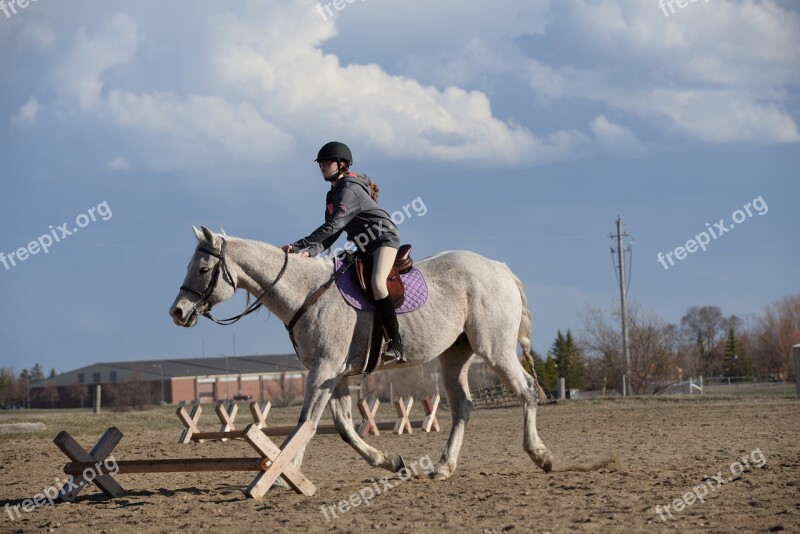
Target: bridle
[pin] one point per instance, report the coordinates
(222, 267)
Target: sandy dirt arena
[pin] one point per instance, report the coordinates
(660, 450)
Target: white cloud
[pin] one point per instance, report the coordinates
(260, 82)
(716, 72)
(93, 55)
(279, 86)
(27, 114)
(238, 128)
(120, 163)
(296, 83)
(616, 139)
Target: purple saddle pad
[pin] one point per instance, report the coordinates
(416, 290)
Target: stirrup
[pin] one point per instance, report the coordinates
(391, 354)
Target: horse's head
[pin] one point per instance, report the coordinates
(208, 280)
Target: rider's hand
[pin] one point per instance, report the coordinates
(287, 248)
(304, 254)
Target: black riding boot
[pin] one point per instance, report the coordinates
(388, 318)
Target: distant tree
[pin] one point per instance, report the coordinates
(283, 391)
(652, 350)
(49, 393)
(22, 388)
(733, 359)
(7, 386)
(78, 392)
(568, 360)
(37, 373)
(546, 371)
(705, 327)
(774, 335)
(133, 393)
(52, 373)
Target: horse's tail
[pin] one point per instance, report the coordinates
(524, 339)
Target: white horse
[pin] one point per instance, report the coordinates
(475, 306)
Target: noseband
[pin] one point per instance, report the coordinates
(222, 267)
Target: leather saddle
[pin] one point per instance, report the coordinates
(402, 264)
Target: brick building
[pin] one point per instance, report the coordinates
(278, 378)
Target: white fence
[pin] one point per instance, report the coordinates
(733, 386)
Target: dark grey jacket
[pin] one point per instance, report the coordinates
(349, 208)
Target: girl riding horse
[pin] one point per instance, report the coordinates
(351, 206)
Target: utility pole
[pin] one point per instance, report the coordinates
(620, 251)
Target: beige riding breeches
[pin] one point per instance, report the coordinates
(382, 262)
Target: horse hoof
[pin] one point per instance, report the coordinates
(441, 472)
(400, 464)
(547, 465)
(545, 462)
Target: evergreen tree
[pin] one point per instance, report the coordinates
(52, 373)
(37, 373)
(734, 360)
(568, 360)
(546, 371)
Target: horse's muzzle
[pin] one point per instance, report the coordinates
(181, 318)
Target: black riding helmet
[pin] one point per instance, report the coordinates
(335, 151)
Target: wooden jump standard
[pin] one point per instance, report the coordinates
(273, 462)
(259, 412)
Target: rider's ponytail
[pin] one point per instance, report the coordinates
(373, 188)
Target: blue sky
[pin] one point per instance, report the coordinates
(524, 126)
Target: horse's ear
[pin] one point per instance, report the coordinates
(197, 233)
(207, 234)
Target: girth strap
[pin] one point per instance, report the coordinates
(311, 300)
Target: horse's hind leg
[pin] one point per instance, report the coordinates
(510, 371)
(455, 365)
(343, 420)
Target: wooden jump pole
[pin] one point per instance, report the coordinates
(273, 462)
(186, 465)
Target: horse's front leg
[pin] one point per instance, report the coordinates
(319, 387)
(341, 407)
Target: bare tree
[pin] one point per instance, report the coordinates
(284, 391)
(705, 327)
(7, 386)
(78, 392)
(652, 343)
(50, 393)
(130, 394)
(774, 335)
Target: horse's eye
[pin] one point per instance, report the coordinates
(204, 270)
